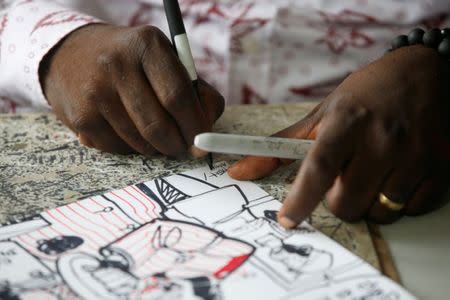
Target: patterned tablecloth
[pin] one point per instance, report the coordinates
(42, 165)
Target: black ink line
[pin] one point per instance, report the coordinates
(119, 208)
(199, 180)
(147, 191)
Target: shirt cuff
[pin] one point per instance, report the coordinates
(30, 31)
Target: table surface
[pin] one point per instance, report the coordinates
(420, 247)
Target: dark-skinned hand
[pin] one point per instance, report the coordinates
(385, 129)
(123, 89)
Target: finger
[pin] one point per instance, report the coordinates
(152, 121)
(213, 101)
(213, 105)
(399, 186)
(173, 86)
(431, 194)
(84, 141)
(255, 167)
(353, 192)
(335, 145)
(115, 113)
(100, 135)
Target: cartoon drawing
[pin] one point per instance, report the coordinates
(196, 235)
(154, 255)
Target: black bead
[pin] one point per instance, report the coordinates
(415, 36)
(400, 41)
(432, 37)
(445, 32)
(444, 47)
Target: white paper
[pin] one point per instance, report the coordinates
(196, 235)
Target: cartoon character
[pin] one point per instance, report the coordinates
(156, 258)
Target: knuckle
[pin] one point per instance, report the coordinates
(394, 129)
(154, 130)
(352, 111)
(148, 35)
(91, 92)
(174, 99)
(148, 32)
(84, 122)
(110, 61)
(320, 163)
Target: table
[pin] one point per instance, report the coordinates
(420, 247)
(43, 166)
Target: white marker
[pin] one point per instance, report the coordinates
(253, 145)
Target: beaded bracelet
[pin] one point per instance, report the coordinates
(433, 38)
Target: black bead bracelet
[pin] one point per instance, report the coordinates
(433, 38)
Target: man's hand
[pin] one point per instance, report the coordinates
(123, 89)
(385, 129)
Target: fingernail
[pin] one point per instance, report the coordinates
(196, 152)
(234, 170)
(287, 223)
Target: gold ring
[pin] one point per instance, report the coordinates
(389, 203)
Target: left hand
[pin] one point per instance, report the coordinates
(385, 129)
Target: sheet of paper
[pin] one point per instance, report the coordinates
(196, 235)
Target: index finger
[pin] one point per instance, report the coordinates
(172, 85)
(335, 145)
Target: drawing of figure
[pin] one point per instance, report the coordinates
(254, 222)
(161, 256)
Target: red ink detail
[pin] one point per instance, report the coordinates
(65, 224)
(136, 198)
(148, 289)
(232, 265)
(113, 212)
(148, 198)
(90, 221)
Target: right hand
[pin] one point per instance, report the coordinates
(123, 89)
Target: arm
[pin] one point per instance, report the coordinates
(28, 31)
(120, 89)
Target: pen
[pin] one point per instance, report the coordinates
(181, 44)
(253, 145)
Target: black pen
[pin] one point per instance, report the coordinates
(181, 43)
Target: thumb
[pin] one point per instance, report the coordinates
(255, 167)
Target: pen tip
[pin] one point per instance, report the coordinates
(209, 160)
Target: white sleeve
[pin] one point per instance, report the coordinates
(28, 31)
